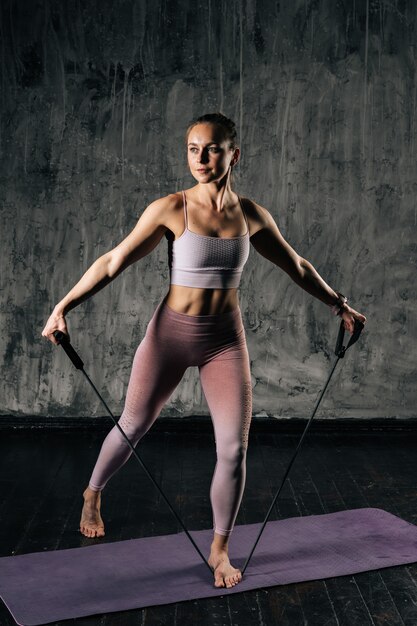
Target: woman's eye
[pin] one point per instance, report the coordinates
(213, 149)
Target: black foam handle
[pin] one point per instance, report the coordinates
(340, 348)
(63, 340)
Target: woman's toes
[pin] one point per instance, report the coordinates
(233, 579)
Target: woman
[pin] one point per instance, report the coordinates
(198, 323)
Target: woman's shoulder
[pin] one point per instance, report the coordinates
(167, 203)
(166, 211)
(256, 213)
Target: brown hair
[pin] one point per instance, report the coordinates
(221, 120)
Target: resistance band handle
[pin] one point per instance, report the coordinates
(340, 349)
(63, 340)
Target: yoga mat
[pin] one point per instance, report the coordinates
(43, 587)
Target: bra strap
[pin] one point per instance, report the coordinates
(243, 211)
(185, 210)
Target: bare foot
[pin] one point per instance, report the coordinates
(225, 575)
(91, 524)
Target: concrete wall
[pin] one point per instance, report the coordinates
(95, 99)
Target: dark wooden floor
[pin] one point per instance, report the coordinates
(43, 474)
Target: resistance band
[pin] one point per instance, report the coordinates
(63, 340)
(340, 353)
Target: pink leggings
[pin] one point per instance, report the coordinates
(172, 343)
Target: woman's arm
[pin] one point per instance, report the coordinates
(95, 278)
(269, 242)
(147, 233)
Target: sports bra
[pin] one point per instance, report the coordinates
(205, 261)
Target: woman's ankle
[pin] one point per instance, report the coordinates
(91, 493)
(220, 543)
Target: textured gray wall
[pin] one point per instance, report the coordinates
(95, 99)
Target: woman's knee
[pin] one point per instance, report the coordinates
(133, 429)
(232, 453)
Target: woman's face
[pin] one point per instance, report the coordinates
(208, 153)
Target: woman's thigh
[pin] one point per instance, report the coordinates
(156, 372)
(226, 383)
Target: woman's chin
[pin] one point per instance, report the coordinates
(207, 177)
(204, 178)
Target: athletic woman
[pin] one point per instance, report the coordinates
(209, 229)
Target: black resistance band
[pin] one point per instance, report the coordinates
(63, 340)
(340, 353)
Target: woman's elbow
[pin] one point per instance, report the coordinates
(295, 268)
(116, 263)
(300, 266)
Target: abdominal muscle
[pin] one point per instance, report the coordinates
(201, 301)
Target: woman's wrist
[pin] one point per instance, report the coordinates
(340, 305)
(59, 310)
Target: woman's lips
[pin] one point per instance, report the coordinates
(201, 170)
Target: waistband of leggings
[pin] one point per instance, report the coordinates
(226, 318)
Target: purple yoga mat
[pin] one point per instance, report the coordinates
(43, 587)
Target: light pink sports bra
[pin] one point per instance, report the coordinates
(205, 261)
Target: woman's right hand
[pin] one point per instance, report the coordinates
(56, 321)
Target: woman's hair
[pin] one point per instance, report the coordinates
(219, 119)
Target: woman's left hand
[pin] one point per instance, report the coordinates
(349, 315)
